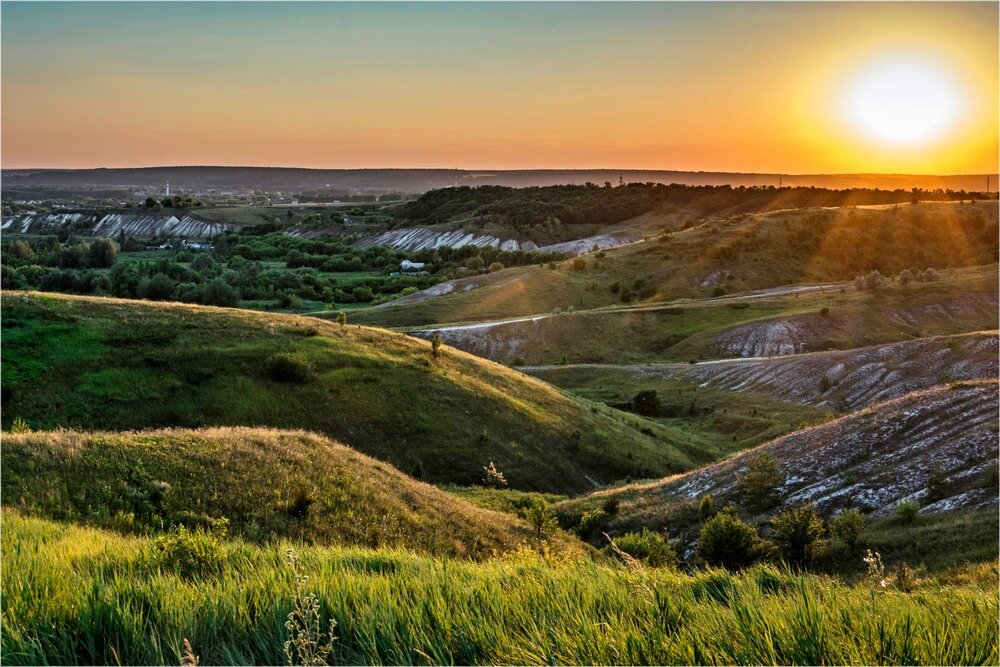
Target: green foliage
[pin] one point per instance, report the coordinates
(799, 532)
(906, 512)
(759, 483)
(725, 540)
(706, 507)
(592, 524)
(191, 553)
(848, 526)
(646, 403)
(647, 547)
(290, 367)
(436, 345)
(539, 516)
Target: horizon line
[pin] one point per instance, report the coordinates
(502, 170)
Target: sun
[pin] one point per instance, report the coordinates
(903, 101)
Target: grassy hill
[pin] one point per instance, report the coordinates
(734, 254)
(267, 484)
(78, 595)
(837, 316)
(114, 364)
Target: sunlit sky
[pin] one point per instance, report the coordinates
(782, 87)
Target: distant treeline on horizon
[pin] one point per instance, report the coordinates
(421, 180)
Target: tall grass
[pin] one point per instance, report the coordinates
(78, 595)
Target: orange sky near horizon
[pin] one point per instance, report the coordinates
(755, 87)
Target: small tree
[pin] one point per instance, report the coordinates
(342, 318)
(474, 263)
(798, 532)
(220, 293)
(435, 345)
(727, 541)
(759, 483)
(907, 511)
(539, 516)
(848, 527)
(706, 507)
(936, 483)
(496, 266)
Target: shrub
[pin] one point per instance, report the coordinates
(870, 282)
(290, 367)
(592, 524)
(653, 549)
(848, 527)
(937, 487)
(579, 264)
(727, 541)
(436, 345)
(646, 403)
(759, 483)
(474, 263)
(342, 318)
(798, 532)
(906, 511)
(496, 266)
(611, 506)
(706, 507)
(191, 554)
(103, 252)
(203, 262)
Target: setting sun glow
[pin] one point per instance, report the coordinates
(903, 101)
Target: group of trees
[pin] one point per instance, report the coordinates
(245, 265)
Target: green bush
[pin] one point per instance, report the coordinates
(191, 554)
(848, 527)
(653, 549)
(798, 532)
(290, 367)
(759, 483)
(906, 511)
(725, 540)
(592, 524)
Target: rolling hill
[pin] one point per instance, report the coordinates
(872, 459)
(268, 484)
(113, 364)
(735, 254)
(841, 381)
(765, 323)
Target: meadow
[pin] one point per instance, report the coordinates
(73, 594)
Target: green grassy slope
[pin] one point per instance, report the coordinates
(725, 421)
(735, 254)
(268, 484)
(74, 595)
(109, 364)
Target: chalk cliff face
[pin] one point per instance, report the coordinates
(143, 225)
(425, 238)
